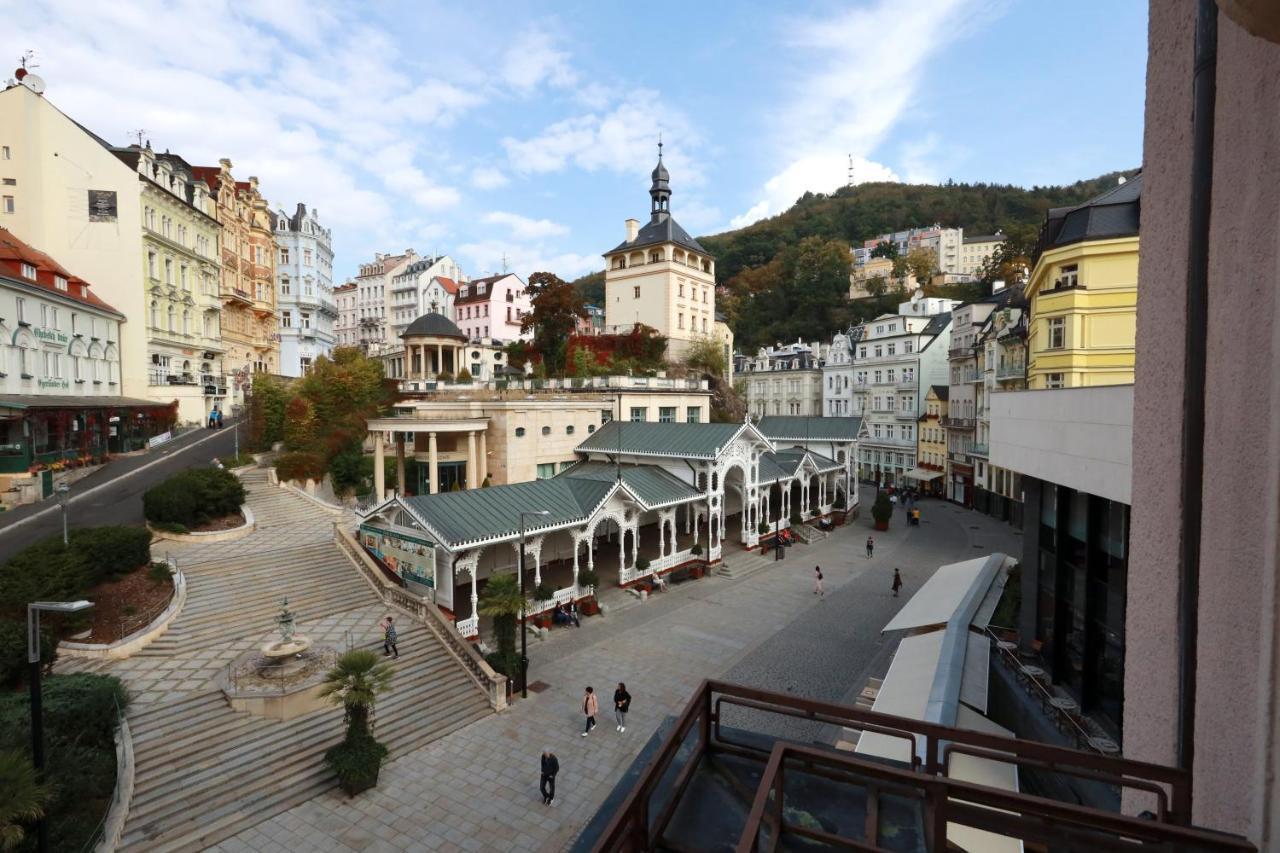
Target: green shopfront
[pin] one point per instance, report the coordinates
(55, 431)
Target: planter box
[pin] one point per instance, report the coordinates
(588, 607)
(882, 525)
(697, 570)
(353, 788)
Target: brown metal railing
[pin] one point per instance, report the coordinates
(642, 819)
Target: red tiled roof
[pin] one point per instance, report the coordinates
(448, 284)
(14, 253)
(208, 174)
(488, 281)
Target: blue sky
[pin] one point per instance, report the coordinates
(528, 130)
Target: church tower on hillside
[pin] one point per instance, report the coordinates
(659, 276)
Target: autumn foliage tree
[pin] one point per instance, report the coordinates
(556, 308)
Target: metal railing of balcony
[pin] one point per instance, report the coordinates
(643, 820)
(905, 416)
(980, 450)
(958, 423)
(905, 384)
(960, 352)
(1012, 371)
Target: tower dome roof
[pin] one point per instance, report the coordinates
(433, 325)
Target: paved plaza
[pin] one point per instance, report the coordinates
(476, 789)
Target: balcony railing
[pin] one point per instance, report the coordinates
(960, 352)
(980, 450)
(958, 423)
(915, 802)
(893, 441)
(882, 409)
(905, 384)
(905, 416)
(1011, 371)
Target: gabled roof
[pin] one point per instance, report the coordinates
(447, 283)
(941, 391)
(660, 229)
(14, 253)
(472, 293)
(476, 515)
(698, 441)
(653, 486)
(802, 428)
(783, 464)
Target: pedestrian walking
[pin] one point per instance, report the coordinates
(817, 582)
(621, 705)
(389, 639)
(897, 583)
(871, 547)
(547, 785)
(590, 707)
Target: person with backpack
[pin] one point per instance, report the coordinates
(590, 707)
(621, 705)
(547, 785)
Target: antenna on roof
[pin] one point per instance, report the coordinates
(140, 133)
(504, 263)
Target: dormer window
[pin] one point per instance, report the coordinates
(29, 271)
(60, 282)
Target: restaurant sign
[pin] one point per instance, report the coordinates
(52, 336)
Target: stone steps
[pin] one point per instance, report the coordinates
(205, 771)
(741, 564)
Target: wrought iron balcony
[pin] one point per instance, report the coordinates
(958, 423)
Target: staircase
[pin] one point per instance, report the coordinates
(808, 534)
(741, 564)
(240, 597)
(206, 772)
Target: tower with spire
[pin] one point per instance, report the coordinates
(660, 277)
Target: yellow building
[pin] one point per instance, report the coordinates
(931, 441)
(1083, 293)
(661, 277)
(248, 274)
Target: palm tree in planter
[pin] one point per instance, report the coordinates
(543, 593)
(881, 511)
(355, 682)
(22, 798)
(502, 600)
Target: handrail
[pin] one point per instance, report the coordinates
(631, 828)
(492, 683)
(951, 801)
(1082, 736)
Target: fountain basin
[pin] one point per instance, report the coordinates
(281, 680)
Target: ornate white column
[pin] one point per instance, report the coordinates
(439, 359)
(577, 546)
(433, 459)
(379, 475)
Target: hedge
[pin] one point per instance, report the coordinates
(300, 466)
(112, 551)
(80, 719)
(13, 651)
(194, 496)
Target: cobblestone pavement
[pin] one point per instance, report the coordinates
(477, 789)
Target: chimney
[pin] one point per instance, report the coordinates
(633, 229)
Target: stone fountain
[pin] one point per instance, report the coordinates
(286, 655)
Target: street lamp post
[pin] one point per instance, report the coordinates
(37, 713)
(63, 491)
(524, 636)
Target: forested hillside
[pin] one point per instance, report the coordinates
(787, 276)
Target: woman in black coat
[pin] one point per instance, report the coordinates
(621, 705)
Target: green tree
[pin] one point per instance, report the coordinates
(556, 308)
(885, 249)
(922, 263)
(877, 285)
(502, 600)
(23, 798)
(706, 354)
(267, 401)
(300, 426)
(356, 681)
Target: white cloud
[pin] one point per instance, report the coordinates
(524, 228)
(487, 257)
(533, 59)
(488, 178)
(859, 72)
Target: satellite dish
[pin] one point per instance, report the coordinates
(34, 82)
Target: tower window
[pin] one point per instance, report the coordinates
(636, 291)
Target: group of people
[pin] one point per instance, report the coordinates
(566, 614)
(590, 708)
(215, 419)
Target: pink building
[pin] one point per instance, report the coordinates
(492, 307)
(1202, 684)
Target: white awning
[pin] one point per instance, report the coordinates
(923, 474)
(949, 588)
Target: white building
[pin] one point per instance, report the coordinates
(945, 243)
(898, 356)
(304, 289)
(491, 308)
(347, 327)
(372, 285)
(660, 277)
(837, 377)
(783, 379)
(408, 298)
(975, 251)
(966, 450)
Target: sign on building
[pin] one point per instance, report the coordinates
(102, 206)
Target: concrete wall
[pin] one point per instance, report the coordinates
(1081, 438)
(1237, 762)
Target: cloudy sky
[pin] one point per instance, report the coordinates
(527, 131)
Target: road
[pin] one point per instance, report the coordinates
(119, 498)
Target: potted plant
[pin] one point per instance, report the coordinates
(881, 511)
(542, 593)
(642, 564)
(762, 528)
(502, 600)
(588, 578)
(699, 568)
(355, 682)
(795, 519)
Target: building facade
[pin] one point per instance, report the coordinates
(248, 291)
(660, 277)
(931, 447)
(975, 251)
(1083, 292)
(304, 289)
(373, 330)
(413, 291)
(966, 440)
(346, 327)
(492, 308)
(897, 358)
(61, 405)
(783, 380)
(180, 278)
(837, 378)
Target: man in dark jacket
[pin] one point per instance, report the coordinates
(550, 767)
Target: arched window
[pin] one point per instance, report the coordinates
(186, 322)
(546, 430)
(519, 432)
(568, 430)
(155, 315)
(655, 256)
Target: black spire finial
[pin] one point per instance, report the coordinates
(660, 192)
